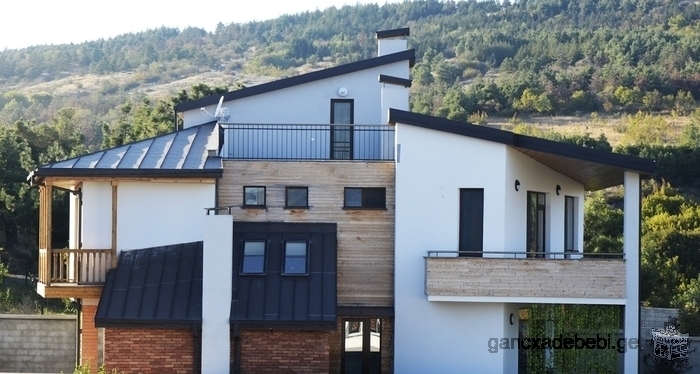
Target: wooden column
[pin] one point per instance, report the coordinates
(45, 199)
(115, 185)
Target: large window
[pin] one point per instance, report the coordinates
(253, 196)
(253, 257)
(342, 112)
(295, 255)
(296, 197)
(536, 205)
(365, 198)
(570, 224)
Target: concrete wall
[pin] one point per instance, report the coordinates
(39, 344)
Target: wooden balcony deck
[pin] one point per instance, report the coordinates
(75, 273)
(601, 277)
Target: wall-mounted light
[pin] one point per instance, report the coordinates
(517, 185)
(342, 92)
(558, 189)
(512, 319)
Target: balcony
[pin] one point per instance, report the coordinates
(514, 277)
(307, 142)
(78, 273)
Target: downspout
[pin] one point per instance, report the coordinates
(237, 349)
(197, 349)
(175, 117)
(78, 333)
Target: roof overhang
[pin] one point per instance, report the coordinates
(594, 169)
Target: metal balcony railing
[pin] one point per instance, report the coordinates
(308, 142)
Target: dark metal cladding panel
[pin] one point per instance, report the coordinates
(154, 286)
(274, 299)
(185, 273)
(134, 294)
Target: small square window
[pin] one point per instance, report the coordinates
(365, 198)
(253, 257)
(296, 197)
(253, 196)
(295, 253)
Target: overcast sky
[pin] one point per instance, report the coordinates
(25, 23)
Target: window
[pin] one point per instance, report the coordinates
(341, 136)
(365, 198)
(296, 197)
(253, 196)
(253, 257)
(569, 224)
(295, 253)
(536, 223)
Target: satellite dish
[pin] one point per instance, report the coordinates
(217, 112)
(220, 113)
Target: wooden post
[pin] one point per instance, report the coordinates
(115, 185)
(45, 205)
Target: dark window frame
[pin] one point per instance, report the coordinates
(264, 203)
(286, 197)
(243, 257)
(336, 129)
(570, 233)
(364, 199)
(306, 259)
(533, 222)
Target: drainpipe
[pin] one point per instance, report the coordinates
(197, 348)
(78, 332)
(237, 349)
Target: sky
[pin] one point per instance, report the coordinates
(27, 23)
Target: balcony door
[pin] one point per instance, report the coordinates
(471, 222)
(536, 204)
(342, 112)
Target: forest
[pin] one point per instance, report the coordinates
(634, 61)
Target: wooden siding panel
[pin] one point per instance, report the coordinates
(599, 278)
(365, 237)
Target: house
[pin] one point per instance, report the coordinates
(315, 224)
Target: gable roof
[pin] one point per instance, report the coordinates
(178, 154)
(299, 79)
(595, 169)
(154, 286)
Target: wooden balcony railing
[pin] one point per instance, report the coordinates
(74, 266)
(452, 274)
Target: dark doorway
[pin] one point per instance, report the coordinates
(342, 112)
(361, 346)
(471, 222)
(536, 204)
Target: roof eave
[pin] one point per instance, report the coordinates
(117, 173)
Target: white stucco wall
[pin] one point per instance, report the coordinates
(97, 215)
(309, 103)
(536, 177)
(149, 214)
(430, 170)
(435, 336)
(158, 213)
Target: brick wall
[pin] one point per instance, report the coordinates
(146, 351)
(39, 344)
(284, 351)
(88, 337)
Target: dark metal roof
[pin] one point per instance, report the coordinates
(593, 168)
(154, 286)
(395, 80)
(300, 79)
(392, 33)
(179, 154)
